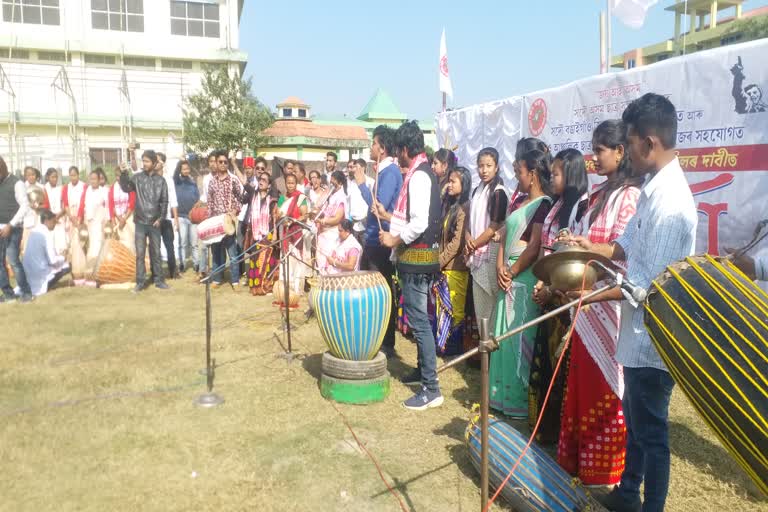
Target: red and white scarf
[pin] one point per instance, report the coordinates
(598, 326)
(260, 216)
(399, 215)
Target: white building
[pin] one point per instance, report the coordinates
(83, 78)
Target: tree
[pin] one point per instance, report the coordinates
(224, 114)
(750, 28)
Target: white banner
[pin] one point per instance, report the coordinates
(722, 138)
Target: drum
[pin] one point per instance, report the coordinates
(278, 294)
(538, 484)
(198, 213)
(709, 324)
(116, 264)
(352, 309)
(214, 229)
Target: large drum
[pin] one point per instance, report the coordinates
(352, 309)
(198, 213)
(709, 324)
(214, 229)
(538, 484)
(116, 264)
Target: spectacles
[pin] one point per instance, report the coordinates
(261, 168)
(222, 161)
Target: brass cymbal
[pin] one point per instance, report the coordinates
(564, 269)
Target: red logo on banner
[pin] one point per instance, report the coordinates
(537, 117)
(444, 65)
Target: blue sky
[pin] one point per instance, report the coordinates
(334, 54)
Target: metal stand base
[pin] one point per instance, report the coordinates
(288, 356)
(203, 372)
(207, 400)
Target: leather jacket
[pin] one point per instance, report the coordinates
(151, 195)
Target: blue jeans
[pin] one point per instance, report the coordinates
(11, 248)
(415, 288)
(187, 240)
(219, 252)
(646, 411)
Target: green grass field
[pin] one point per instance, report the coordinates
(96, 413)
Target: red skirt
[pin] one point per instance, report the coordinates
(593, 435)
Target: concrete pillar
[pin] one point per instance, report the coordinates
(738, 11)
(713, 14)
(702, 21)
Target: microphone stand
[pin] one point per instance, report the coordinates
(489, 343)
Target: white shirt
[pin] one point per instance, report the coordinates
(662, 232)
(40, 259)
(173, 202)
(54, 197)
(357, 208)
(419, 191)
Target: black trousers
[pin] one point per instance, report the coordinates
(142, 232)
(377, 258)
(166, 231)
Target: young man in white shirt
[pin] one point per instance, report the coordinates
(42, 265)
(662, 232)
(170, 224)
(413, 236)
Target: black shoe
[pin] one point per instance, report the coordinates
(308, 314)
(26, 298)
(196, 268)
(412, 378)
(389, 352)
(162, 285)
(616, 502)
(138, 288)
(7, 299)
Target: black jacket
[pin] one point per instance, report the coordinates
(151, 195)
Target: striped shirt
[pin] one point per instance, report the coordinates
(662, 232)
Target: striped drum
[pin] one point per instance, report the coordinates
(538, 484)
(352, 309)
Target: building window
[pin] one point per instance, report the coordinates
(104, 157)
(661, 57)
(15, 54)
(93, 58)
(139, 62)
(630, 63)
(123, 15)
(732, 39)
(302, 112)
(195, 19)
(35, 12)
(53, 56)
(176, 64)
(286, 112)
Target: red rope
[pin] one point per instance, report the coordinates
(566, 342)
(373, 459)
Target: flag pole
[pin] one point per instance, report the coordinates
(608, 56)
(444, 101)
(603, 57)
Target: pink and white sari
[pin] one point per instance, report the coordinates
(328, 236)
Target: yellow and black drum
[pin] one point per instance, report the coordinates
(709, 323)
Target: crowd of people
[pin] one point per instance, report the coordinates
(450, 252)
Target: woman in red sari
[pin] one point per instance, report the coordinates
(593, 434)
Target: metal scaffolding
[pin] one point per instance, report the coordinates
(61, 84)
(13, 149)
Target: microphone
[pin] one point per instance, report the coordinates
(638, 293)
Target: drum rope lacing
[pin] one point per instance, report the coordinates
(566, 343)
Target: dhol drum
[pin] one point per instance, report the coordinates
(709, 324)
(116, 264)
(198, 213)
(352, 309)
(214, 229)
(538, 484)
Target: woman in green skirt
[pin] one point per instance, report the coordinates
(511, 364)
